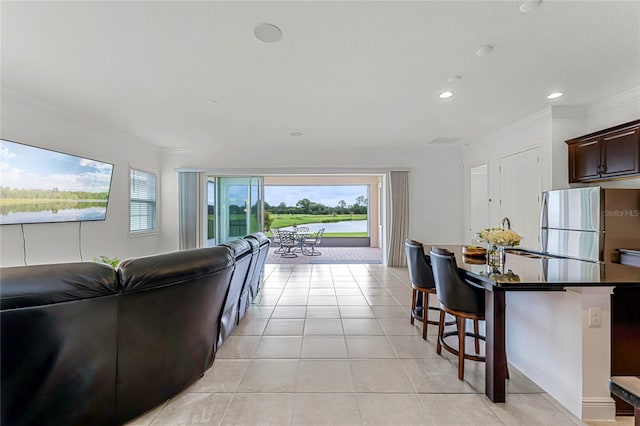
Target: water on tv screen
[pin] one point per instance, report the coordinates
(41, 186)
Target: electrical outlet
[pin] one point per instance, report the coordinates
(595, 317)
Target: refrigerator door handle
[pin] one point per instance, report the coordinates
(544, 215)
(544, 222)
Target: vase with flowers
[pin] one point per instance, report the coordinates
(497, 239)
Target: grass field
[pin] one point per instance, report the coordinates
(285, 220)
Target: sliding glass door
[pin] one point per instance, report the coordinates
(239, 207)
(210, 237)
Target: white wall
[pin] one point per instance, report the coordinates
(31, 122)
(435, 183)
(531, 132)
(435, 180)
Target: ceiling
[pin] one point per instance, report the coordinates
(192, 74)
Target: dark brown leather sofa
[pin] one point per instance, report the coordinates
(261, 243)
(58, 330)
(239, 281)
(84, 344)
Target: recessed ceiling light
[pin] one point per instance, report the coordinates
(530, 5)
(484, 50)
(268, 33)
(454, 78)
(446, 94)
(295, 134)
(555, 95)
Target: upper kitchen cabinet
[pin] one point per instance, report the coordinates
(606, 154)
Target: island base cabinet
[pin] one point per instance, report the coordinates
(625, 339)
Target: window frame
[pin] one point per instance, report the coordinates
(156, 228)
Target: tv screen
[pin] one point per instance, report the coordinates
(42, 186)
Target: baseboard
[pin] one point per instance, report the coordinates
(549, 384)
(598, 408)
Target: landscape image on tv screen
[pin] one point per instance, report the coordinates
(40, 186)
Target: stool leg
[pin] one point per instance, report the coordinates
(462, 324)
(477, 341)
(440, 332)
(506, 365)
(425, 315)
(413, 303)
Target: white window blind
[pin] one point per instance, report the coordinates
(142, 201)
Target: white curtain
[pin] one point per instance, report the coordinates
(397, 217)
(188, 200)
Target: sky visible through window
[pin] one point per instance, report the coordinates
(329, 195)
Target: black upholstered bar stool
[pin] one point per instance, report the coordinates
(460, 298)
(421, 283)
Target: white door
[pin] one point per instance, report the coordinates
(479, 200)
(509, 191)
(529, 192)
(520, 190)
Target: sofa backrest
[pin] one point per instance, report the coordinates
(58, 351)
(258, 272)
(246, 298)
(171, 301)
(239, 282)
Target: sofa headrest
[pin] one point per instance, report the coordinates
(255, 245)
(239, 247)
(172, 268)
(260, 237)
(24, 286)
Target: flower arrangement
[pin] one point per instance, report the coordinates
(499, 237)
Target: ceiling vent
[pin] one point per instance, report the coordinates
(443, 141)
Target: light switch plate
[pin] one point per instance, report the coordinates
(595, 317)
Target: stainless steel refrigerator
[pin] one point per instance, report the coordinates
(590, 223)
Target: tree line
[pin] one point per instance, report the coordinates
(306, 206)
(50, 194)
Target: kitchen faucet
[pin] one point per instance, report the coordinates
(505, 220)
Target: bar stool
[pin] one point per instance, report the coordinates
(460, 298)
(421, 283)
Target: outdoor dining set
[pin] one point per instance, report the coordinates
(295, 240)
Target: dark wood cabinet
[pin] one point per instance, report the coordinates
(606, 154)
(625, 338)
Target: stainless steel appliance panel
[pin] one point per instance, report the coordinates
(575, 244)
(577, 209)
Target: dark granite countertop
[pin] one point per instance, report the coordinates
(626, 388)
(530, 271)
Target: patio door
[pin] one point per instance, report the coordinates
(239, 206)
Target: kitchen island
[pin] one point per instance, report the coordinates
(527, 273)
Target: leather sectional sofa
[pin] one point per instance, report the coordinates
(86, 344)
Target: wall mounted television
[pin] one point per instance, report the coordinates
(38, 185)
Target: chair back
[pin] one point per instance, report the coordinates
(419, 265)
(319, 236)
(276, 235)
(287, 238)
(453, 291)
(302, 229)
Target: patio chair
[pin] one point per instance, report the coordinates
(312, 243)
(288, 242)
(276, 240)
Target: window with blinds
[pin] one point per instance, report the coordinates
(142, 201)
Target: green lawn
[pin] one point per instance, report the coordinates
(285, 220)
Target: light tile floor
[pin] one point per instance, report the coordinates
(332, 345)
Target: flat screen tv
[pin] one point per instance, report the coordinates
(42, 186)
